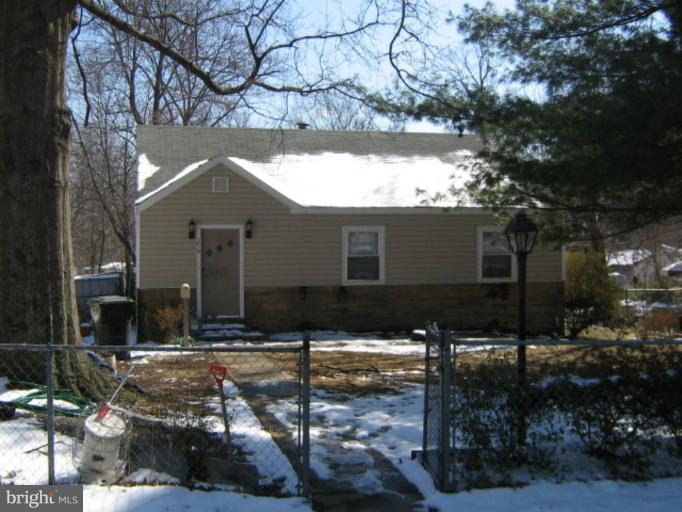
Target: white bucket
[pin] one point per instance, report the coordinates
(102, 442)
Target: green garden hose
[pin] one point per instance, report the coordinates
(83, 408)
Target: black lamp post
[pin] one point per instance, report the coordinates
(521, 234)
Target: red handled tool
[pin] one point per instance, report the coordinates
(219, 373)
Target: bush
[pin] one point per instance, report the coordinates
(590, 295)
(169, 319)
(621, 406)
(614, 423)
(657, 324)
(626, 406)
(486, 410)
(662, 373)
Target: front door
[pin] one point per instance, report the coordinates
(220, 272)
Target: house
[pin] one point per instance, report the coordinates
(674, 270)
(291, 229)
(643, 266)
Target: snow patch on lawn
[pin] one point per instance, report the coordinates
(661, 495)
(369, 343)
(23, 444)
(249, 435)
(149, 476)
(181, 499)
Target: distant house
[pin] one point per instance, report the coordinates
(642, 266)
(673, 270)
(290, 229)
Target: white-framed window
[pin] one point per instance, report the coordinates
(221, 184)
(496, 263)
(363, 254)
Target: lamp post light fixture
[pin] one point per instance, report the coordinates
(521, 233)
(248, 232)
(192, 230)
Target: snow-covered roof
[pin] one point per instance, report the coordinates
(366, 181)
(316, 167)
(627, 256)
(145, 166)
(673, 267)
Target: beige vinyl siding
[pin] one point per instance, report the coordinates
(306, 249)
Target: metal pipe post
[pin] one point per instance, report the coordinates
(445, 407)
(427, 399)
(521, 351)
(49, 420)
(305, 418)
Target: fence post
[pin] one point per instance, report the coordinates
(49, 382)
(427, 379)
(453, 430)
(305, 419)
(446, 394)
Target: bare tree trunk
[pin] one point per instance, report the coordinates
(102, 242)
(38, 302)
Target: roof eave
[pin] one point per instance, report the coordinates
(390, 210)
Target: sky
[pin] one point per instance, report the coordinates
(444, 35)
(377, 73)
(456, 7)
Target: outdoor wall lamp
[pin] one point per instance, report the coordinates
(521, 234)
(192, 230)
(249, 228)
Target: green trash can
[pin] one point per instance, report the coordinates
(112, 315)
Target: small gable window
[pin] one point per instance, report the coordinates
(221, 184)
(363, 254)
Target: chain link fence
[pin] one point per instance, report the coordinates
(204, 417)
(435, 456)
(586, 410)
(641, 300)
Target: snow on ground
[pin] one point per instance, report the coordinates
(372, 342)
(23, 444)
(149, 476)
(249, 435)
(228, 333)
(662, 495)
(342, 428)
(181, 499)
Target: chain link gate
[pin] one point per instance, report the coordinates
(438, 435)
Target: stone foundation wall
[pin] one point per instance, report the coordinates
(382, 308)
(387, 308)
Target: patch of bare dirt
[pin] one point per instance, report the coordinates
(363, 373)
